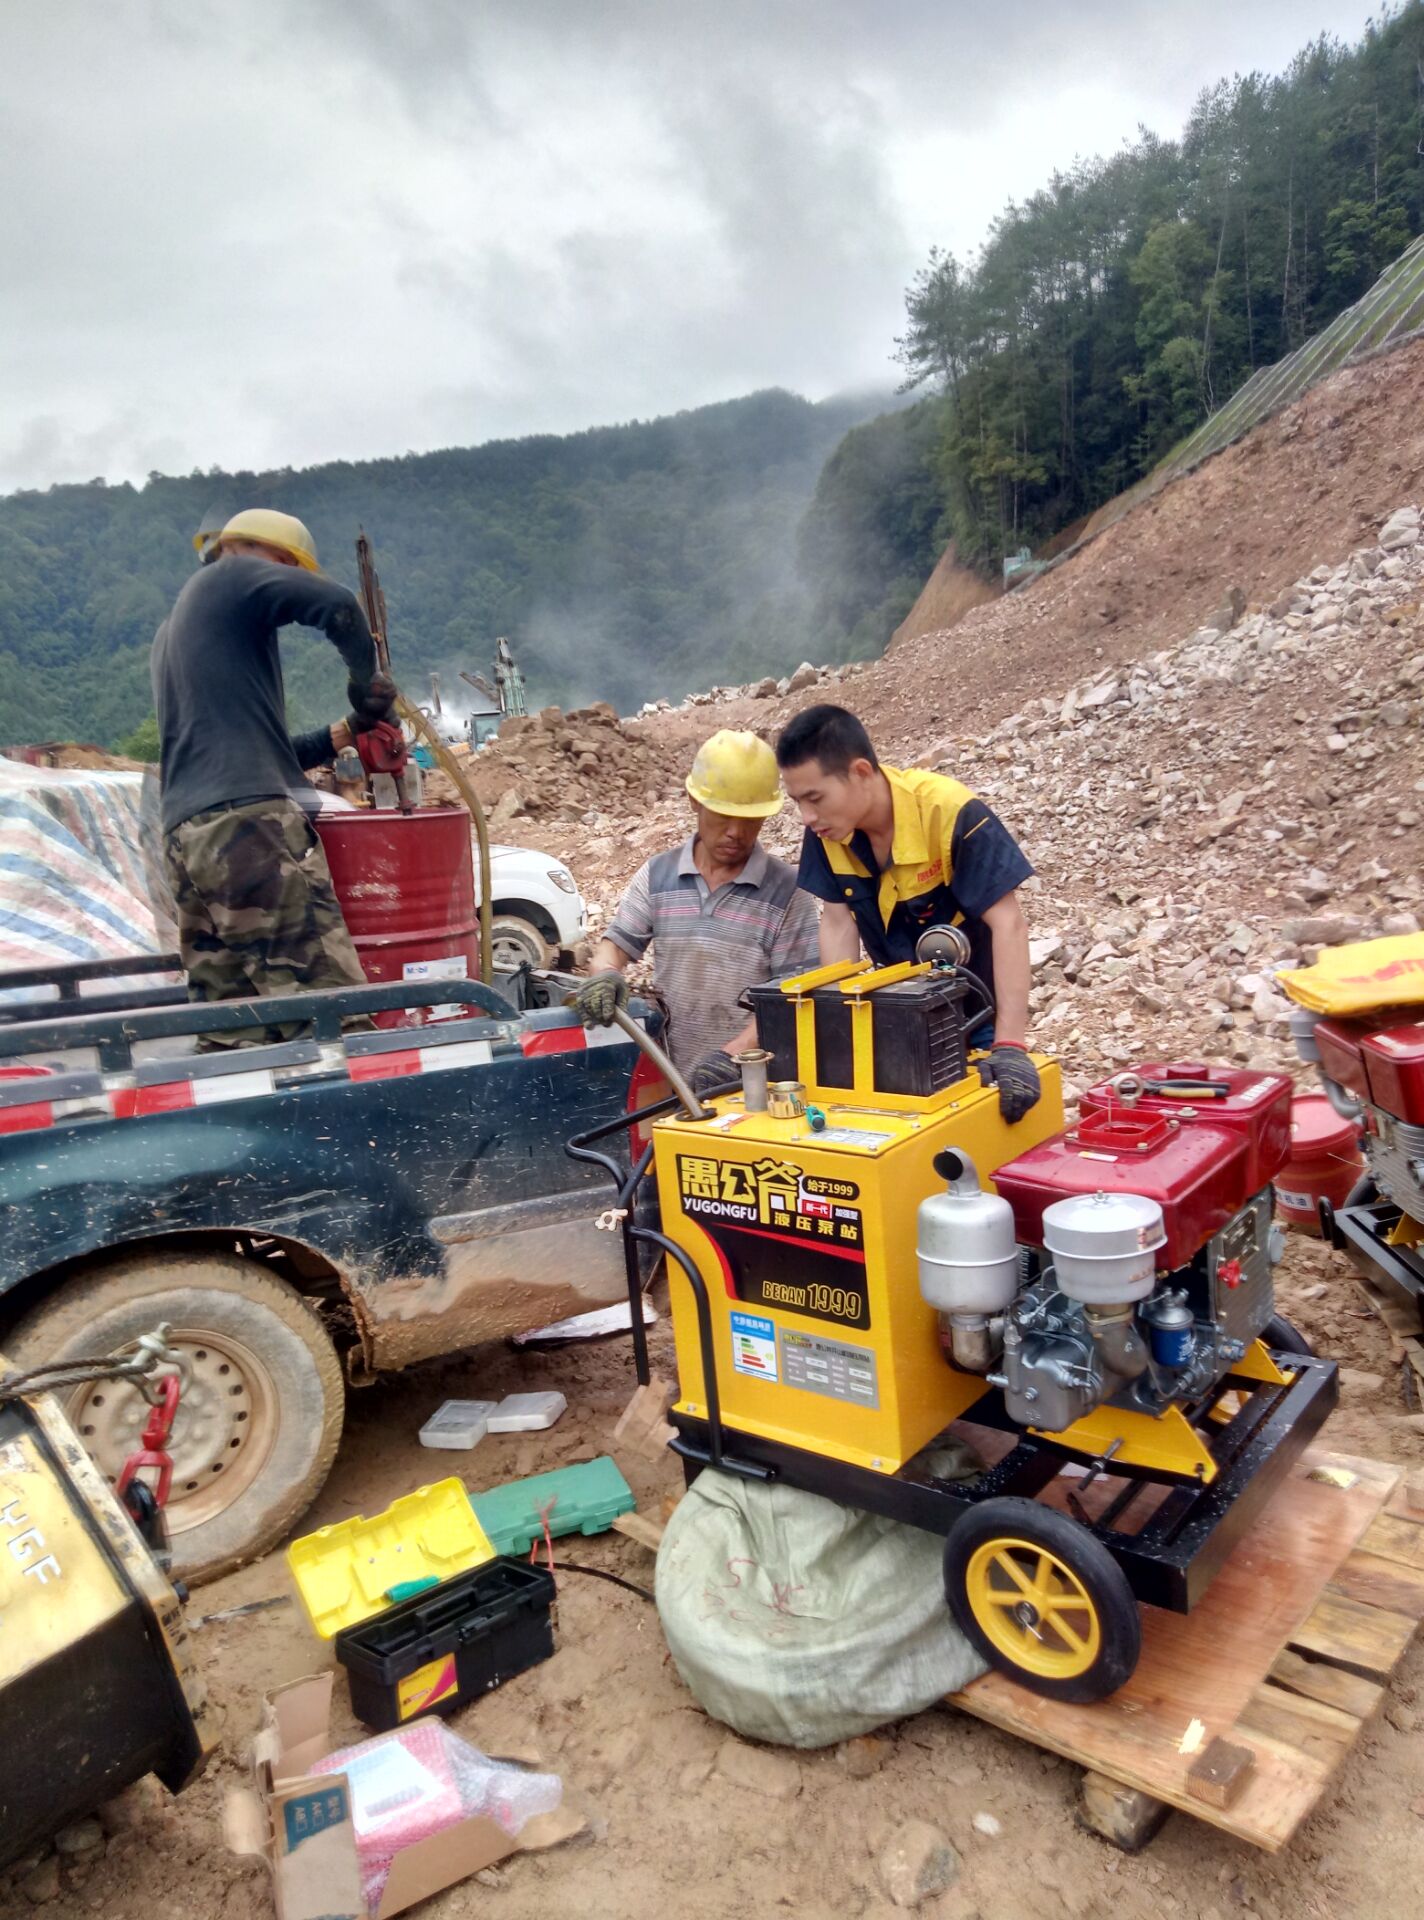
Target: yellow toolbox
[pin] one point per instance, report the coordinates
(345, 1573)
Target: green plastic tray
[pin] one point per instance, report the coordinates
(586, 1498)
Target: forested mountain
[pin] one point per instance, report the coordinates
(1112, 310)
(623, 563)
(1103, 318)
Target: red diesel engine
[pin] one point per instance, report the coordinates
(1149, 1224)
(1381, 1068)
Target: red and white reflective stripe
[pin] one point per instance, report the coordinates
(384, 1066)
(49, 1113)
(553, 1040)
(126, 1102)
(573, 1038)
(403, 1060)
(607, 1037)
(177, 1096)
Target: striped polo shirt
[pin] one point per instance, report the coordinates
(708, 948)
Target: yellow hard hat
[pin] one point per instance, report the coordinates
(736, 773)
(273, 529)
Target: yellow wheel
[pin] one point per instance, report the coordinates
(1042, 1599)
(1036, 1611)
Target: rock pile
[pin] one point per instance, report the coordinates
(1218, 810)
(1199, 817)
(554, 767)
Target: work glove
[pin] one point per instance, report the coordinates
(713, 1070)
(1010, 1069)
(371, 704)
(600, 996)
(382, 748)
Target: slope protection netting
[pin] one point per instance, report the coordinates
(1391, 312)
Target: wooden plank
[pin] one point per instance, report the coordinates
(1376, 1582)
(1401, 1319)
(1121, 1815)
(1395, 1537)
(1362, 1639)
(1208, 1665)
(638, 1527)
(1318, 1680)
(1310, 1726)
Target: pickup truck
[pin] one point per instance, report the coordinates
(301, 1214)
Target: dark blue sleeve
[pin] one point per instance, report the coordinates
(814, 875)
(314, 749)
(986, 859)
(291, 596)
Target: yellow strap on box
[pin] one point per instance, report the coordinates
(826, 976)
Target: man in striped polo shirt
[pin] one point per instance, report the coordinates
(720, 912)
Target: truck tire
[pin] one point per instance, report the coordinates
(260, 1416)
(513, 940)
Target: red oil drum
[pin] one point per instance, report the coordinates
(406, 883)
(1325, 1162)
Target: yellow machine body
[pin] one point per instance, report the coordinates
(95, 1662)
(805, 1239)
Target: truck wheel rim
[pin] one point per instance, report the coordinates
(1033, 1608)
(512, 951)
(224, 1432)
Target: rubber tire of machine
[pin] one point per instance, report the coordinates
(1283, 1336)
(521, 935)
(1086, 1559)
(243, 1305)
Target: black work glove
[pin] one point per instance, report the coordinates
(713, 1070)
(371, 704)
(599, 996)
(1012, 1071)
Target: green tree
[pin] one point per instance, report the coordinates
(142, 743)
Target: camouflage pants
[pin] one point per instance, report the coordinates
(257, 913)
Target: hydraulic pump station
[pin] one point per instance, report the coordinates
(1371, 1064)
(862, 1252)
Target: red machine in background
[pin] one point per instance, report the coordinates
(1373, 1071)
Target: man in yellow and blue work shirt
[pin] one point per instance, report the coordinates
(891, 853)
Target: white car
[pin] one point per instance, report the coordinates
(537, 912)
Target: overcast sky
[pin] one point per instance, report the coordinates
(296, 230)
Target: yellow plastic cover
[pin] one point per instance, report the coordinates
(344, 1572)
(1362, 978)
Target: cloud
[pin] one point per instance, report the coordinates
(310, 229)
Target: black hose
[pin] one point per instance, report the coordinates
(601, 1573)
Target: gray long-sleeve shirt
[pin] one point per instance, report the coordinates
(217, 682)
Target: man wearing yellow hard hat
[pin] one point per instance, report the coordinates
(720, 913)
(257, 913)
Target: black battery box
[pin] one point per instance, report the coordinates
(918, 1034)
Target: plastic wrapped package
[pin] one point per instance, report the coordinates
(421, 1779)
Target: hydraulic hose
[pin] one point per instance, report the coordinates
(465, 788)
(643, 1039)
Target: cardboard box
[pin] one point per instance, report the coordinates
(300, 1823)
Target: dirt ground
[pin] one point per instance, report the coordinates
(666, 1830)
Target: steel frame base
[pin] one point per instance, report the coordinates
(1169, 1562)
(1363, 1234)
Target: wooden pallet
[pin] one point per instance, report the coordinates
(1286, 1657)
(1401, 1317)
